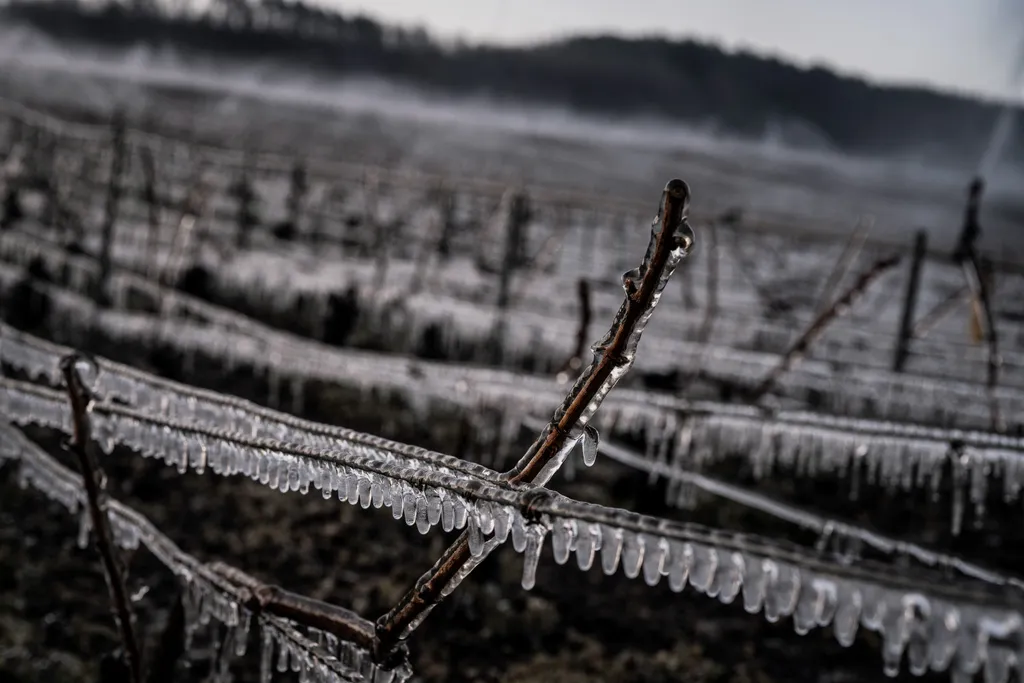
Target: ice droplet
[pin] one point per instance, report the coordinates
(591, 441)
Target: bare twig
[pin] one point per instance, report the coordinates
(575, 361)
(933, 317)
(95, 489)
(800, 347)
(747, 267)
(846, 259)
(978, 286)
(671, 240)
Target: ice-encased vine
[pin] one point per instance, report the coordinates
(317, 656)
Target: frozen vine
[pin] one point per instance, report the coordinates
(315, 655)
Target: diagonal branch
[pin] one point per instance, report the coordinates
(841, 305)
(851, 250)
(96, 496)
(671, 240)
(933, 317)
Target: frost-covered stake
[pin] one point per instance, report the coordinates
(96, 496)
(671, 240)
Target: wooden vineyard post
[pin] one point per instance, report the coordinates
(910, 302)
(245, 196)
(514, 257)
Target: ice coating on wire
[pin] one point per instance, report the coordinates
(205, 597)
(717, 563)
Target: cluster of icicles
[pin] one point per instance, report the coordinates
(937, 625)
(237, 339)
(685, 435)
(318, 657)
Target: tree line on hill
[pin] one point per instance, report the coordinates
(742, 94)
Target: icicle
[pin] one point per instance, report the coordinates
(531, 555)
(562, 534)
(591, 439)
(611, 549)
(84, 528)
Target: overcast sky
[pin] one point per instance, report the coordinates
(967, 45)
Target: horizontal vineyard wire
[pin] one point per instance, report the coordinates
(19, 448)
(531, 500)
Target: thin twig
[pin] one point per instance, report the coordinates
(671, 241)
(983, 309)
(95, 488)
(800, 347)
(846, 259)
(933, 317)
(747, 268)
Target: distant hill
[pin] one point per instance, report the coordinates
(743, 94)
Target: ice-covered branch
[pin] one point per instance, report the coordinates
(423, 495)
(97, 500)
(207, 593)
(670, 241)
(158, 396)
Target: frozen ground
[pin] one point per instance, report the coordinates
(371, 121)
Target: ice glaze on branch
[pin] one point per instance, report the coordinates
(671, 240)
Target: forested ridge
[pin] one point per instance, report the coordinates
(684, 80)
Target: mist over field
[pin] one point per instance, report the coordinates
(791, 168)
